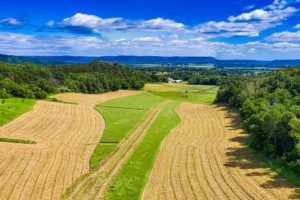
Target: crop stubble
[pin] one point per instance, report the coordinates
(66, 136)
(98, 181)
(203, 158)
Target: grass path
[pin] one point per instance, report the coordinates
(129, 183)
(204, 158)
(121, 116)
(94, 185)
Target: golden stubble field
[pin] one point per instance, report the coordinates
(66, 136)
(203, 158)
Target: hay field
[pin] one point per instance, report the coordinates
(66, 136)
(203, 158)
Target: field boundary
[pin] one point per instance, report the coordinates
(94, 185)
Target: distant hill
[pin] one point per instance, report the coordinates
(136, 60)
(132, 60)
(22, 60)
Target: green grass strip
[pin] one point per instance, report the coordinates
(101, 151)
(14, 107)
(17, 141)
(120, 122)
(131, 180)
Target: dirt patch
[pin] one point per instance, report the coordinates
(203, 158)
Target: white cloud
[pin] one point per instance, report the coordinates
(278, 4)
(161, 24)
(10, 21)
(298, 25)
(249, 24)
(147, 39)
(271, 16)
(22, 44)
(91, 23)
(96, 24)
(285, 36)
(227, 29)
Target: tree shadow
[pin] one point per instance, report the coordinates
(239, 156)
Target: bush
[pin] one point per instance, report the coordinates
(4, 94)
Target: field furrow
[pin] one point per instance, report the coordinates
(66, 136)
(97, 182)
(204, 158)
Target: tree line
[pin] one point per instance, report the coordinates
(269, 106)
(34, 81)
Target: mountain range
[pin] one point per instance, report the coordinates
(136, 60)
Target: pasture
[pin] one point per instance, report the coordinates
(183, 92)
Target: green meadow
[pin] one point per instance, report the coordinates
(184, 92)
(12, 108)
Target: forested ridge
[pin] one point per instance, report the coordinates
(269, 106)
(34, 81)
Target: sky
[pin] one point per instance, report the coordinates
(225, 29)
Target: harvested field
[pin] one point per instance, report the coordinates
(66, 136)
(204, 158)
(93, 99)
(95, 184)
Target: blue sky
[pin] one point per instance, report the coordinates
(236, 29)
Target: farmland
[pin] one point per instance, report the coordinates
(121, 116)
(66, 135)
(134, 175)
(151, 144)
(14, 107)
(204, 158)
(184, 92)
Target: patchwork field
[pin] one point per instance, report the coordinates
(66, 136)
(121, 116)
(132, 145)
(129, 183)
(203, 158)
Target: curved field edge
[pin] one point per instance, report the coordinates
(121, 116)
(131, 180)
(12, 108)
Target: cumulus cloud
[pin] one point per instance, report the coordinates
(227, 29)
(85, 23)
(271, 16)
(161, 24)
(298, 25)
(250, 23)
(23, 44)
(285, 36)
